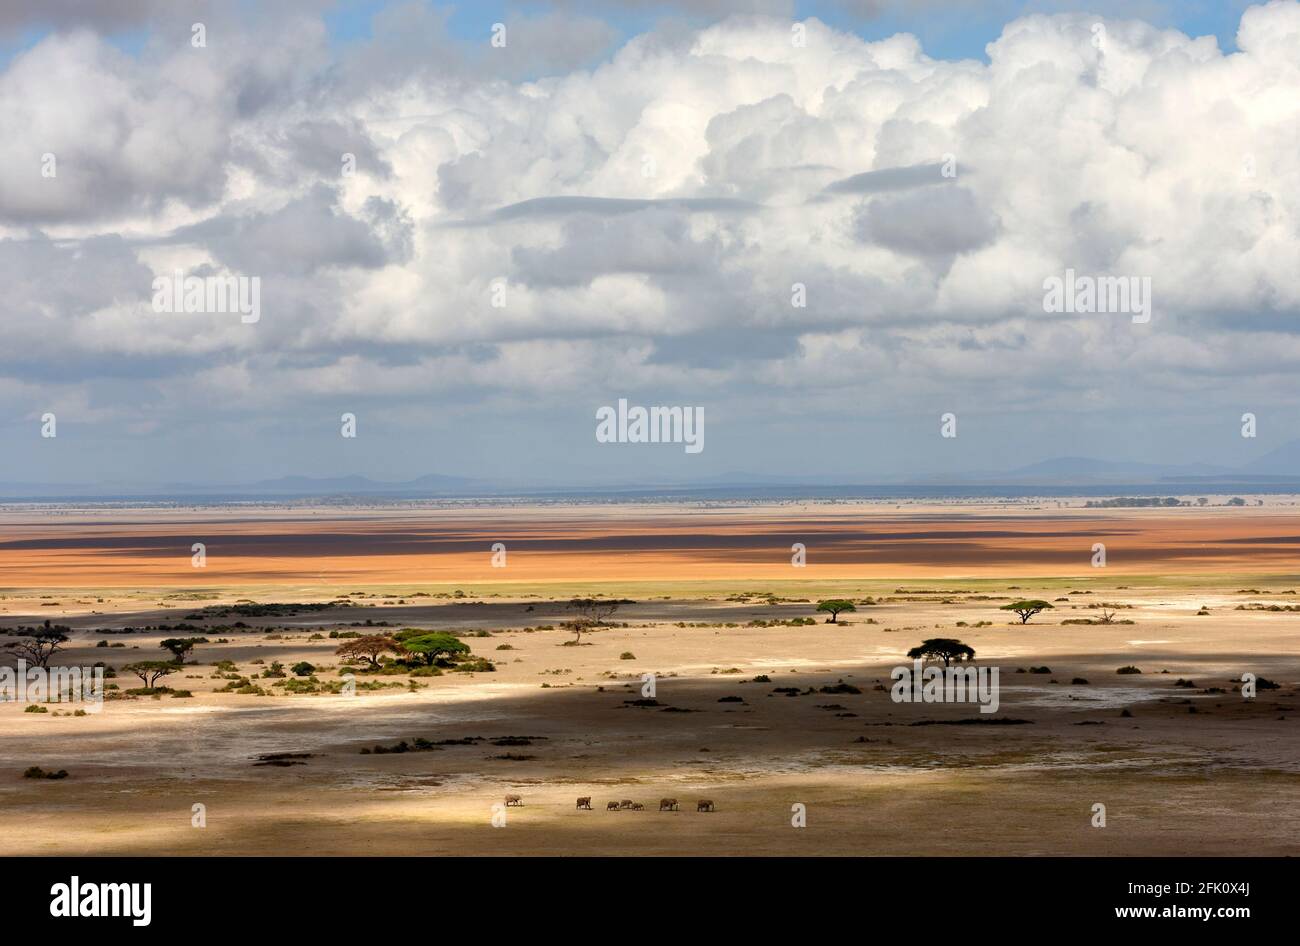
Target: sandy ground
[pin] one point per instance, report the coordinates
(123, 548)
(1224, 779)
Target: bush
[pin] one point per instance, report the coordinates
(1130, 669)
(303, 669)
(34, 708)
(841, 687)
(299, 685)
(37, 772)
(627, 655)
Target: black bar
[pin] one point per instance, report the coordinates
(369, 895)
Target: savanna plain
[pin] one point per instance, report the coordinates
(306, 719)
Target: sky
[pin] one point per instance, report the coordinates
(821, 226)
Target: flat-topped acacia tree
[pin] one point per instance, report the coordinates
(835, 606)
(369, 649)
(1026, 609)
(434, 646)
(180, 646)
(150, 670)
(39, 643)
(944, 648)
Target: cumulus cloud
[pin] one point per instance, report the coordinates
(651, 212)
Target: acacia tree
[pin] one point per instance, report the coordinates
(594, 610)
(835, 606)
(434, 646)
(1026, 609)
(39, 643)
(591, 612)
(180, 646)
(578, 626)
(149, 671)
(944, 648)
(369, 649)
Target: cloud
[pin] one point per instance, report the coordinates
(306, 234)
(890, 179)
(561, 208)
(651, 210)
(927, 224)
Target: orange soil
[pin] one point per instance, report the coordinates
(122, 548)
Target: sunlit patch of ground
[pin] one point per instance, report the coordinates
(1192, 768)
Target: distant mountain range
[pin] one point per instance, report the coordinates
(1277, 470)
(1283, 461)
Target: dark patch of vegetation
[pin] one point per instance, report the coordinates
(283, 759)
(974, 721)
(250, 609)
(37, 772)
(840, 687)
